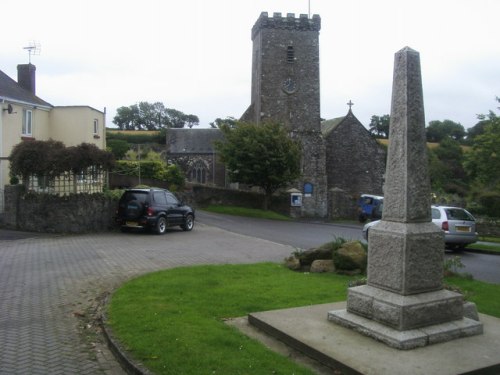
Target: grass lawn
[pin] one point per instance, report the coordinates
(248, 212)
(488, 247)
(173, 321)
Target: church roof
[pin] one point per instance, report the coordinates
(192, 141)
(328, 125)
(11, 90)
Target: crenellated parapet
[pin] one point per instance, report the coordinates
(290, 22)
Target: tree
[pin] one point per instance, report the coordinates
(152, 116)
(218, 122)
(474, 131)
(483, 161)
(436, 131)
(446, 167)
(118, 147)
(379, 126)
(261, 155)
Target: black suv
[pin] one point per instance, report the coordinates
(153, 208)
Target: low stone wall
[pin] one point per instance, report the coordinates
(342, 205)
(488, 228)
(86, 213)
(202, 195)
(77, 213)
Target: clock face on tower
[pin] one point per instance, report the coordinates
(289, 86)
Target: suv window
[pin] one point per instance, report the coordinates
(135, 196)
(458, 214)
(171, 199)
(159, 197)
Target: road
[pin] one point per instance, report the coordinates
(305, 235)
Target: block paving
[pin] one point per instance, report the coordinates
(50, 284)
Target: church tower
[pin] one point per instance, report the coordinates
(285, 89)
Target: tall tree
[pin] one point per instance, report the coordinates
(436, 131)
(446, 167)
(379, 126)
(152, 116)
(261, 155)
(483, 161)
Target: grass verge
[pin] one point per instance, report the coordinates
(495, 248)
(173, 321)
(249, 212)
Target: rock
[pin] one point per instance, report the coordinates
(308, 256)
(322, 265)
(292, 263)
(350, 256)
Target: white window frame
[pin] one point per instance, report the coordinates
(96, 126)
(27, 129)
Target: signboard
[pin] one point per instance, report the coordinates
(296, 199)
(308, 189)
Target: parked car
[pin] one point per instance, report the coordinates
(458, 225)
(154, 209)
(370, 207)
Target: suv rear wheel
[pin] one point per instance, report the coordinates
(161, 225)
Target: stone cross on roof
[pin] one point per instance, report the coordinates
(350, 104)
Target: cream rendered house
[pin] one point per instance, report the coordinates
(24, 117)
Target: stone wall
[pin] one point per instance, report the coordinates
(201, 196)
(355, 161)
(77, 213)
(87, 213)
(342, 205)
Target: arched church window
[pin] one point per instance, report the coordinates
(290, 54)
(199, 173)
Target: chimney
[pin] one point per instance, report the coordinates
(26, 77)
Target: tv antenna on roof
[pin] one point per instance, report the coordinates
(33, 48)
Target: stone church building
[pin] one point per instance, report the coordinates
(338, 154)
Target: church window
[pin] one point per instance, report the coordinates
(199, 173)
(290, 54)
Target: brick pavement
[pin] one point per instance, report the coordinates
(48, 283)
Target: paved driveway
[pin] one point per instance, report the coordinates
(49, 283)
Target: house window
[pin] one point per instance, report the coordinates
(290, 55)
(96, 126)
(27, 122)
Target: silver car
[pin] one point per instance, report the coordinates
(458, 225)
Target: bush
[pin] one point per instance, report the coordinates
(118, 147)
(153, 169)
(137, 136)
(490, 203)
(51, 158)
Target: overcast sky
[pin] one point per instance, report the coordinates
(195, 55)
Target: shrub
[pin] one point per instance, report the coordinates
(51, 158)
(490, 202)
(153, 169)
(118, 147)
